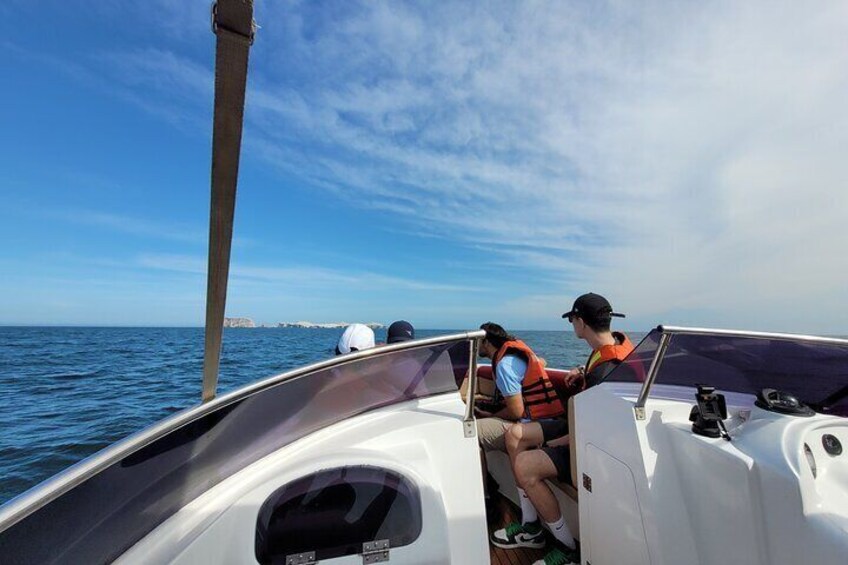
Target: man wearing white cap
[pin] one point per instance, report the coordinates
(356, 337)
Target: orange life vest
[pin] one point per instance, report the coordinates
(537, 392)
(606, 353)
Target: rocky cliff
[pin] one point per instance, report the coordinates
(331, 325)
(239, 323)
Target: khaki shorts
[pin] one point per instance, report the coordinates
(491, 433)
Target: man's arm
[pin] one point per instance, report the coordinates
(513, 410)
(508, 376)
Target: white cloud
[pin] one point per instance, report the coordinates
(687, 158)
(136, 226)
(311, 277)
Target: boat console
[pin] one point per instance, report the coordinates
(669, 487)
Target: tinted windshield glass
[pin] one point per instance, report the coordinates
(635, 367)
(96, 521)
(815, 372)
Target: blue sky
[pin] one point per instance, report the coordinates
(447, 163)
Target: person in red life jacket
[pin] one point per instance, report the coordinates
(523, 390)
(590, 317)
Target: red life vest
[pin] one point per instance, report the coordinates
(616, 352)
(537, 392)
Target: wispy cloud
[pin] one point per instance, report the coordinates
(131, 225)
(344, 281)
(680, 157)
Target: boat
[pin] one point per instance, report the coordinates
(703, 447)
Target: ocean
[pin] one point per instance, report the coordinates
(66, 393)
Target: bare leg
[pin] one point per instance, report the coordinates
(522, 437)
(531, 470)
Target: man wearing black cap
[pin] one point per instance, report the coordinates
(590, 317)
(400, 331)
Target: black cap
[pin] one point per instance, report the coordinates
(400, 331)
(591, 307)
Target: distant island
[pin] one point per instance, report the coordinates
(239, 323)
(248, 323)
(330, 325)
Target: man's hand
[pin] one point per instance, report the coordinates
(482, 413)
(513, 408)
(574, 375)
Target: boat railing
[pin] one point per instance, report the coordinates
(131, 487)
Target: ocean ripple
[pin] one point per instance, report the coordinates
(66, 393)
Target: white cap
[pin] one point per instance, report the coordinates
(356, 336)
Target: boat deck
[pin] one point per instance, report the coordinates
(507, 513)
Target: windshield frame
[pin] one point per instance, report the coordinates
(666, 333)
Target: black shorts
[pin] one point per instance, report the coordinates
(553, 428)
(559, 456)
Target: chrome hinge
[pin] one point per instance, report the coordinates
(470, 428)
(640, 412)
(305, 558)
(375, 551)
(587, 482)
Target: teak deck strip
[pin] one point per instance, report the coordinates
(521, 556)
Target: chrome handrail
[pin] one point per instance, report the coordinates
(468, 421)
(743, 333)
(639, 407)
(42, 494)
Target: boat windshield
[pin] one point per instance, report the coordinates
(815, 371)
(95, 511)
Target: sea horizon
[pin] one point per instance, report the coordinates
(78, 389)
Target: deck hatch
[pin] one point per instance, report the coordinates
(337, 512)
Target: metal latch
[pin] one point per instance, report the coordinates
(375, 551)
(305, 558)
(587, 482)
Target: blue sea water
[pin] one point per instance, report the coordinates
(66, 393)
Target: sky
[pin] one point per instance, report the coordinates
(447, 163)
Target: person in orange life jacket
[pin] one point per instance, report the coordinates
(590, 316)
(523, 391)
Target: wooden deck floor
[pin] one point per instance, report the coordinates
(520, 556)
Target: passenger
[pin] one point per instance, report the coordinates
(590, 317)
(356, 337)
(523, 390)
(400, 331)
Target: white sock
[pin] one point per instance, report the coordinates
(560, 531)
(528, 511)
